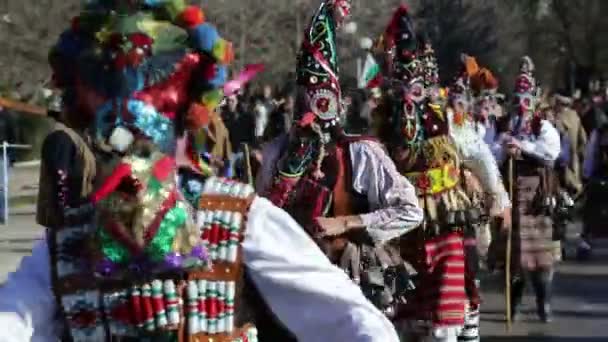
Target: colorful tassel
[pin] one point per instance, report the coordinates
(193, 320)
(225, 219)
(221, 304)
(202, 310)
(230, 294)
(211, 306)
(172, 303)
(234, 241)
(148, 311)
(214, 236)
(136, 306)
(158, 304)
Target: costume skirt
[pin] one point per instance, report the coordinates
(532, 228)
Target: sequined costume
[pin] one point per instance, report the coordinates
(136, 262)
(323, 177)
(470, 102)
(432, 146)
(535, 145)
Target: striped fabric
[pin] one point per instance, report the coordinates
(442, 290)
(446, 288)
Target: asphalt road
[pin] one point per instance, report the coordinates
(580, 301)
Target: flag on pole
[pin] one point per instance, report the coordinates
(370, 76)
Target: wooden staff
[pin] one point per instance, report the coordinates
(248, 164)
(22, 107)
(508, 252)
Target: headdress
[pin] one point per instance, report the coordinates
(151, 60)
(460, 90)
(318, 65)
(526, 91)
(430, 68)
(401, 47)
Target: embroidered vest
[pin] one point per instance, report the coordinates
(192, 304)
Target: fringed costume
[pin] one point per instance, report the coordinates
(148, 258)
(432, 147)
(344, 190)
(534, 145)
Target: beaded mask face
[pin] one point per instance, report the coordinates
(486, 106)
(459, 96)
(318, 65)
(525, 100)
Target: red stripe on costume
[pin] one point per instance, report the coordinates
(112, 182)
(153, 227)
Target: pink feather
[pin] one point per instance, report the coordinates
(233, 86)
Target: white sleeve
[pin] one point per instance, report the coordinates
(314, 299)
(392, 198)
(546, 147)
(27, 304)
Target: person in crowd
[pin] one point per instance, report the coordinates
(568, 123)
(343, 190)
(263, 121)
(240, 123)
(432, 145)
(281, 119)
(533, 145)
(120, 276)
(67, 164)
(595, 174)
(593, 113)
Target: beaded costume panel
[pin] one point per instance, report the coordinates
(189, 303)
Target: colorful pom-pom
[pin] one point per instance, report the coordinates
(223, 52)
(220, 78)
(191, 17)
(212, 99)
(204, 37)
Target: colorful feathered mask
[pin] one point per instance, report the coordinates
(153, 61)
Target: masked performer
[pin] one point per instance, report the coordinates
(431, 146)
(68, 168)
(130, 265)
(344, 190)
(534, 145)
